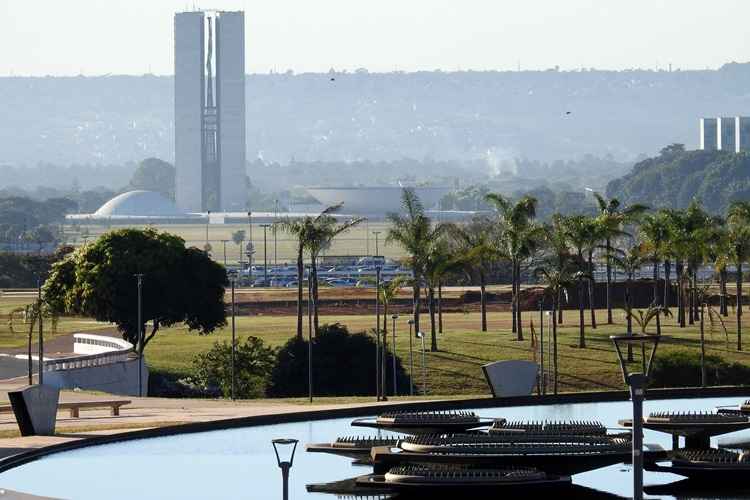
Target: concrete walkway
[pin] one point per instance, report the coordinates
(143, 413)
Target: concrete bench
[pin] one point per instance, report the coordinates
(75, 406)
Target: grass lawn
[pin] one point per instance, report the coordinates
(456, 368)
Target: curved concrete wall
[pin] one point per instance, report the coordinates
(115, 378)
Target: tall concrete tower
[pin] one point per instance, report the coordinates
(209, 100)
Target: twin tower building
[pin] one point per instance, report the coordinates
(730, 133)
(209, 111)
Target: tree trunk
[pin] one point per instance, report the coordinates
(696, 305)
(656, 280)
(691, 298)
(483, 300)
(514, 296)
(314, 287)
(628, 307)
(609, 283)
(581, 328)
(383, 359)
(431, 306)
(385, 317)
(300, 279)
(591, 283)
(739, 306)
(559, 306)
(554, 346)
(667, 283)
(519, 324)
(440, 306)
(680, 294)
(724, 302)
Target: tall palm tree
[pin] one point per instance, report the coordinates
(557, 280)
(738, 218)
(518, 238)
(558, 253)
(629, 261)
(29, 314)
(300, 229)
(474, 242)
(439, 261)
(578, 229)
(323, 230)
(388, 292)
(413, 231)
(612, 218)
(654, 229)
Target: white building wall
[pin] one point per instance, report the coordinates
(188, 95)
(230, 72)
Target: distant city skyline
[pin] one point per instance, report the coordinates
(90, 37)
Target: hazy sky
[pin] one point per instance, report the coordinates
(68, 37)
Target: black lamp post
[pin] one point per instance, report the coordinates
(233, 281)
(285, 459)
(411, 358)
(395, 384)
(637, 381)
(421, 336)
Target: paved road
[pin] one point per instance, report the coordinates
(11, 367)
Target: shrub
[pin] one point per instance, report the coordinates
(343, 365)
(254, 362)
(683, 369)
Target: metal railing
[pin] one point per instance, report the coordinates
(120, 351)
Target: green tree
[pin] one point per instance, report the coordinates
(153, 174)
(579, 230)
(413, 231)
(612, 218)
(253, 361)
(738, 218)
(474, 241)
(180, 285)
(518, 238)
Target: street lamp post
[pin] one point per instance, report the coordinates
(139, 277)
(265, 254)
(233, 279)
(250, 243)
(41, 333)
(395, 384)
(377, 334)
(275, 221)
(225, 252)
(542, 382)
(287, 447)
(377, 247)
(421, 336)
(637, 381)
(208, 221)
(411, 359)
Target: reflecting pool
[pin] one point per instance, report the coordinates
(240, 463)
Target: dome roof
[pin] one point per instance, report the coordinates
(139, 204)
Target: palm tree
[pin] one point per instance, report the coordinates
(413, 231)
(654, 230)
(29, 314)
(299, 228)
(612, 217)
(558, 250)
(557, 280)
(518, 238)
(439, 261)
(474, 241)
(629, 261)
(596, 234)
(322, 231)
(738, 217)
(238, 237)
(388, 292)
(578, 229)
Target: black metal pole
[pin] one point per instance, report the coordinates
(41, 334)
(265, 256)
(411, 359)
(310, 340)
(541, 346)
(637, 383)
(395, 384)
(140, 334)
(377, 334)
(234, 341)
(285, 478)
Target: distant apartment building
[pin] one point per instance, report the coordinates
(725, 134)
(209, 101)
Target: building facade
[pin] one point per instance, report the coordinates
(209, 98)
(709, 129)
(729, 133)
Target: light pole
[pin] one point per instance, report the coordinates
(384, 353)
(41, 333)
(225, 252)
(139, 278)
(287, 447)
(542, 387)
(637, 381)
(275, 221)
(377, 334)
(232, 280)
(395, 384)
(420, 335)
(250, 244)
(265, 254)
(208, 221)
(377, 248)
(411, 359)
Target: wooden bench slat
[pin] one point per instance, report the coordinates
(75, 406)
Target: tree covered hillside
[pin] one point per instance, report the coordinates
(677, 176)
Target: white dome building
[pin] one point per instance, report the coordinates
(139, 207)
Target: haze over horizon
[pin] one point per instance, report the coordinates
(135, 37)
